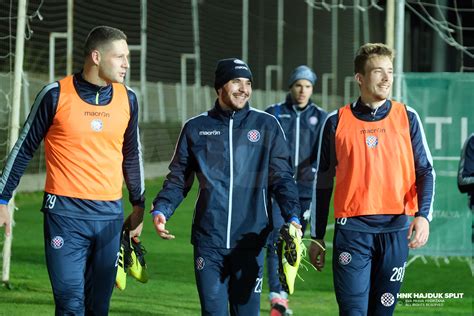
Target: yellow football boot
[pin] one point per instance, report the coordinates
(290, 249)
(123, 261)
(138, 268)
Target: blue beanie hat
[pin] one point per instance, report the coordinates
(230, 68)
(302, 72)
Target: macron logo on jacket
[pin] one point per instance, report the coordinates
(209, 133)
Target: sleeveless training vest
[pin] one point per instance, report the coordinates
(375, 172)
(83, 146)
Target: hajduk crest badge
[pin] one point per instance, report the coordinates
(372, 141)
(253, 136)
(57, 242)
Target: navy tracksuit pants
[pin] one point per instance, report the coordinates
(368, 271)
(229, 279)
(81, 256)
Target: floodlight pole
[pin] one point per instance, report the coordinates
(143, 54)
(356, 21)
(365, 22)
(15, 125)
(197, 57)
(334, 51)
(245, 30)
(390, 17)
(309, 35)
(280, 24)
(399, 46)
(70, 30)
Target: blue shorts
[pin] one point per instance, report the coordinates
(81, 256)
(368, 270)
(229, 279)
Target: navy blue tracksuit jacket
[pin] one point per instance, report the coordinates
(240, 158)
(302, 129)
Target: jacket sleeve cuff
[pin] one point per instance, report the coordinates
(295, 219)
(164, 209)
(418, 214)
(3, 202)
(156, 213)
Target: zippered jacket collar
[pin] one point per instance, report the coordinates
(363, 112)
(225, 116)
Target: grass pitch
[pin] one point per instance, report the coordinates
(171, 289)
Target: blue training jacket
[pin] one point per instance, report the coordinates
(240, 158)
(302, 129)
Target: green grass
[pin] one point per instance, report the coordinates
(171, 289)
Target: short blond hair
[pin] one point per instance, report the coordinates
(367, 51)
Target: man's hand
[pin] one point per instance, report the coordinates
(317, 253)
(159, 221)
(5, 219)
(134, 221)
(298, 227)
(418, 233)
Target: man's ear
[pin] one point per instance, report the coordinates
(95, 56)
(358, 78)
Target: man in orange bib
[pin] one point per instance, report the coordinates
(89, 123)
(377, 152)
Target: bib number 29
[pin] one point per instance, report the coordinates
(50, 201)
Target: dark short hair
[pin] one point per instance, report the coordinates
(101, 35)
(367, 51)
